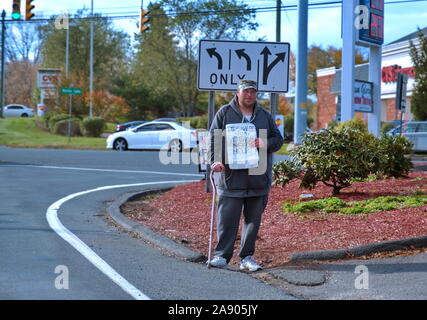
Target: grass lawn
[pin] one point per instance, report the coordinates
(24, 133)
(283, 149)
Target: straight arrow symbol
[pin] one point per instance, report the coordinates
(241, 53)
(212, 52)
(268, 67)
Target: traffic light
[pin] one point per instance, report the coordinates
(144, 20)
(28, 8)
(16, 10)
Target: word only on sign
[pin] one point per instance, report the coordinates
(222, 64)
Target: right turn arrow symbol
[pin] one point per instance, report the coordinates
(268, 67)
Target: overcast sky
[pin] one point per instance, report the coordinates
(401, 18)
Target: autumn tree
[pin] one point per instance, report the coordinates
(177, 34)
(110, 52)
(22, 53)
(20, 82)
(418, 55)
(319, 58)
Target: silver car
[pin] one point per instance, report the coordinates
(17, 110)
(414, 131)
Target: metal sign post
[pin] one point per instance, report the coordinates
(2, 91)
(402, 83)
(401, 87)
(300, 114)
(362, 24)
(71, 92)
(70, 108)
(211, 114)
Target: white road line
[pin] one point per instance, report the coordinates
(104, 170)
(80, 246)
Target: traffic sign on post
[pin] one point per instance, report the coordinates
(401, 87)
(71, 91)
(222, 64)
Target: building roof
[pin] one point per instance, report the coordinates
(410, 36)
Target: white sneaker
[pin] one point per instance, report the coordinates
(249, 264)
(218, 262)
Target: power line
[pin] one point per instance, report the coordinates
(170, 13)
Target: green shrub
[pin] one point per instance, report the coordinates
(355, 123)
(92, 126)
(393, 159)
(336, 205)
(343, 155)
(54, 118)
(61, 127)
(327, 205)
(202, 122)
(284, 172)
(335, 158)
(199, 122)
(47, 117)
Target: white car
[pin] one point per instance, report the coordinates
(161, 135)
(414, 131)
(17, 110)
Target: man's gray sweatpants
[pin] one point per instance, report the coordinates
(228, 218)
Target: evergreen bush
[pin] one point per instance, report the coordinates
(61, 127)
(54, 118)
(92, 126)
(343, 155)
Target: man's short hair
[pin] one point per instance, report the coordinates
(247, 84)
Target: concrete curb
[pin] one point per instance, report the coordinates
(367, 249)
(157, 239)
(187, 254)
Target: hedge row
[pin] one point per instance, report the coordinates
(88, 127)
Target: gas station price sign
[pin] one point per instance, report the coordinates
(374, 33)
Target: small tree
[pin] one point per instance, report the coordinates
(419, 95)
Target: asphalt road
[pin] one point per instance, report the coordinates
(36, 261)
(56, 243)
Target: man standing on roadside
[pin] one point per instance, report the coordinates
(237, 188)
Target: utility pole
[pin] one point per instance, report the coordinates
(300, 110)
(3, 27)
(91, 63)
(274, 97)
(67, 37)
(348, 55)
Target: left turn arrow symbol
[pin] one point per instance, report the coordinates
(241, 53)
(212, 52)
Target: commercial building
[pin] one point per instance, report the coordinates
(395, 59)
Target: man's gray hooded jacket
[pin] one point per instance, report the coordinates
(239, 183)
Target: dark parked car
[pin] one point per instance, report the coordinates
(128, 125)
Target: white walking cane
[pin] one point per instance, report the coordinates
(214, 209)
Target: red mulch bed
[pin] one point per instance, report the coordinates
(183, 214)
